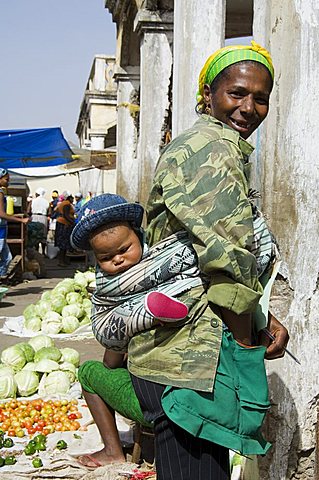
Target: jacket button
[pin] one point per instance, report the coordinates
(214, 322)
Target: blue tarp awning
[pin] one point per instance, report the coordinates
(38, 147)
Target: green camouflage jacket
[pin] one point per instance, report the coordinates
(201, 186)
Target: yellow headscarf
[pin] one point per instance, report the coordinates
(227, 56)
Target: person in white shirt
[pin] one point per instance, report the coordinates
(39, 213)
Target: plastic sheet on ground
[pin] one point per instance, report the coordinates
(63, 464)
(14, 326)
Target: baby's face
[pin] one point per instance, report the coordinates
(116, 249)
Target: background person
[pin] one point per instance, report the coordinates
(79, 202)
(64, 225)
(5, 254)
(39, 214)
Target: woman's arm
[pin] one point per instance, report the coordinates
(205, 193)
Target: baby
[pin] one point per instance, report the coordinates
(135, 286)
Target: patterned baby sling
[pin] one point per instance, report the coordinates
(118, 313)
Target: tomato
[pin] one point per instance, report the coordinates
(78, 415)
(42, 423)
(38, 407)
(11, 432)
(72, 416)
(20, 433)
(56, 418)
(46, 431)
(31, 431)
(28, 423)
(58, 427)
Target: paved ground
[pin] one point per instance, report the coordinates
(29, 291)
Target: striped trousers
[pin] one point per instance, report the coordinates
(178, 454)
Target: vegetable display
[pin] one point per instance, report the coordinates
(63, 309)
(37, 366)
(41, 417)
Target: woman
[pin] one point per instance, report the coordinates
(39, 214)
(5, 254)
(64, 226)
(184, 376)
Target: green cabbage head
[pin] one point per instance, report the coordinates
(27, 382)
(8, 386)
(48, 353)
(40, 341)
(13, 357)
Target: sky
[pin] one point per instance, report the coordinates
(46, 50)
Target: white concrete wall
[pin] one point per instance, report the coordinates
(288, 152)
(156, 67)
(199, 30)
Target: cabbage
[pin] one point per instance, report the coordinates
(40, 341)
(74, 297)
(46, 296)
(70, 355)
(33, 324)
(50, 353)
(85, 320)
(67, 283)
(27, 349)
(58, 301)
(5, 370)
(52, 317)
(54, 382)
(30, 311)
(80, 282)
(86, 304)
(69, 324)
(8, 386)
(46, 366)
(43, 307)
(13, 357)
(73, 310)
(69, 369)
(29, 366)
(27, 382)
(60, 290)
(51, 327)
(90, 276)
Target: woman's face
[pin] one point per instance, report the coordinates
(241, 99)
(4, 181)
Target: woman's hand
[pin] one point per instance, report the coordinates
(275, 348)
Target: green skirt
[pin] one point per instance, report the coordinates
(233, 413)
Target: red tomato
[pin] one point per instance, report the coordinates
(72, 416)
(38, 428)
(31, 431)
(11, 433)
(42, 423)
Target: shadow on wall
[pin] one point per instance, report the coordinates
(282, 430)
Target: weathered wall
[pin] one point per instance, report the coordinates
(288, 153)
(192, 28)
